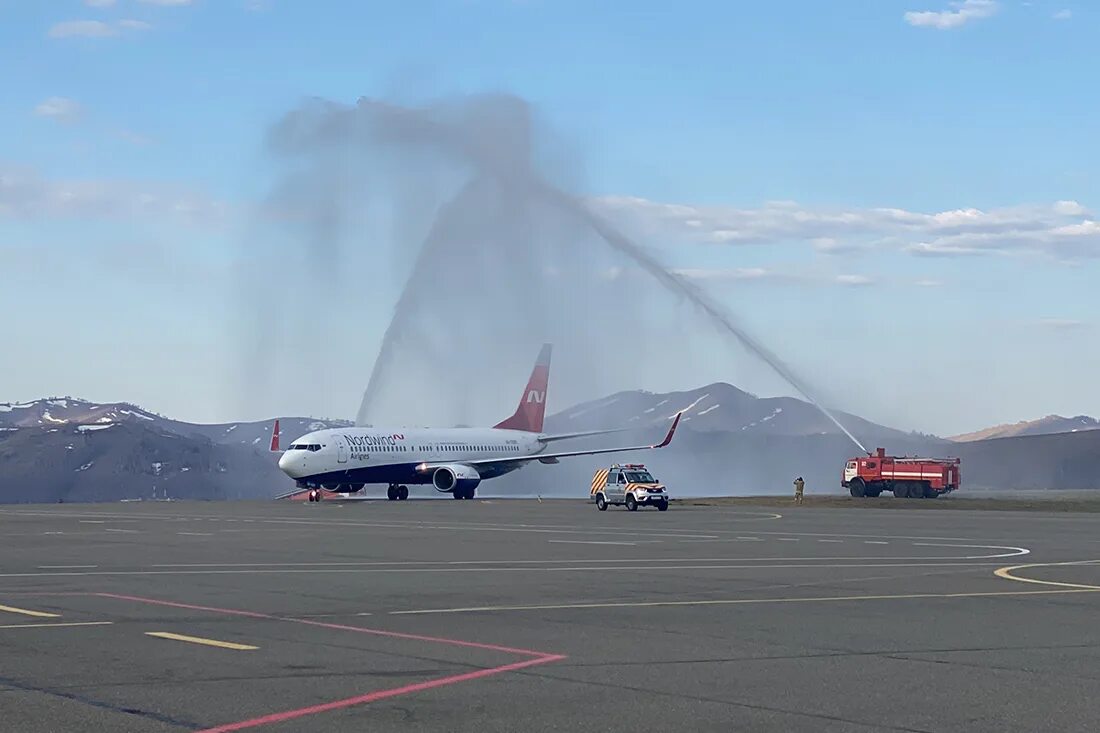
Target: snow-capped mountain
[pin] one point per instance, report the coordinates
(1043, 426)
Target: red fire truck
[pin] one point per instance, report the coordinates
(907, 477)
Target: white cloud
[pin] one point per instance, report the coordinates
(82, 29)
(963, 12)
(95, 28)
(733, 273)
(25, 194)
(1058, 324)
(1063, 15)
(1070, 208)
(854, 280)
(59, 108)
(1066, 230)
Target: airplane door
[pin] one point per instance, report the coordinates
(341, 451)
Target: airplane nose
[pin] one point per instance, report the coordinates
(285, 461)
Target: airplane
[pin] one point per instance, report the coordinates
(452, 460)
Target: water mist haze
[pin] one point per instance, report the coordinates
(449, 211)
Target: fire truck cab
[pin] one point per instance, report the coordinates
(630, 485)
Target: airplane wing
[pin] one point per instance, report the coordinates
(553, 457)
(586, 434)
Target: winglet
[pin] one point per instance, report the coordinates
(671, 431)
(275, 437)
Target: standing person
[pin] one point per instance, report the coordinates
(799, 485)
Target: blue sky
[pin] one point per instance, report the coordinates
(844, 173)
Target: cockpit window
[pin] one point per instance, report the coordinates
(314, 448)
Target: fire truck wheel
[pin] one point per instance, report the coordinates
(929, 492)
(857, 488)
(631, 503)
(601, 503)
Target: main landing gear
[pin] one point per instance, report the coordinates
(397, 493)
(463, 493)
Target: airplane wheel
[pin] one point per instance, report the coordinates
(402, 493)
(391, 493)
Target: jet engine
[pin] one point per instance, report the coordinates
(456, 478)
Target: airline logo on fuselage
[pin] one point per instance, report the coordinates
(535, 396)
(362, 441)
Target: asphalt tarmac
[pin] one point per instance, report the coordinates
(519, 615)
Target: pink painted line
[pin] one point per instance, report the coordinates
(380, 695)
(337, 627)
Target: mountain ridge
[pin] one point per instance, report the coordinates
(730, 442)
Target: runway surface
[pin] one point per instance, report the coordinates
(519, 615)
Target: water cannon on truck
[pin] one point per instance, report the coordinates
(912, 478)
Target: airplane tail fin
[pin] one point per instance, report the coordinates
(532, 405)
(275, 437)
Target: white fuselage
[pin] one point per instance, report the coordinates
(356, 456)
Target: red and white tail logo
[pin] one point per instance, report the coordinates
(275, 438)
(532, 406)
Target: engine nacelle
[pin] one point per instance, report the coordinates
(455, 477)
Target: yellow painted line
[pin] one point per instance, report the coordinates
(743, 601)
(53, 626)
(1007, 574)
(25, 612)
(200, 640)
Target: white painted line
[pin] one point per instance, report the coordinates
(750, 539)
(786, 539)
(830, 540)
(806, 563)
(740, 601)
(589, 542)
(1015, 550)
(126, 531)
(67, 567)
(58, 625)
(197, 534)
(92, 521)
(875, 542)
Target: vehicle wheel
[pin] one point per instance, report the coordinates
(601, 503)
(631, 504)
(901, 491)
(662, 506)
(402, 493)
(391, 494)
(857, 488)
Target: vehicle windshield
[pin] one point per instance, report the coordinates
(640, 477)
